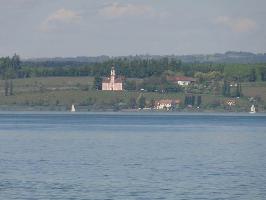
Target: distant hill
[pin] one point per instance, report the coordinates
(80, 59)
(227, 57)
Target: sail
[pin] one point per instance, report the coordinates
(73, 108)
(252, 109)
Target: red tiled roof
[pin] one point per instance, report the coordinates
(180, 78)
(118, 80)
(107, 80)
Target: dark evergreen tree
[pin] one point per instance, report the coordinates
(238, 90)
(98, 83)
(11, 87)
(6, 88)
(198, 100)
(152, 103)
(192, 100)
(226, 89)
(133, 103)
(141, 102)
(252, 77)
(186, 102)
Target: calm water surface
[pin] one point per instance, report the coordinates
(132, 156)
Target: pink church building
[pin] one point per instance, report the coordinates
(112, 83)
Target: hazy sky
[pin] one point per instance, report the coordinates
(49, 28)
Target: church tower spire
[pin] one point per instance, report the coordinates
(112, 82)
(112, 77)
(113, 71)
(113, 74)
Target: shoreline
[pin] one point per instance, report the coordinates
(62, 109)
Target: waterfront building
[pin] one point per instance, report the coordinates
(166, 104)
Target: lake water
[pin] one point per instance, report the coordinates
(132, 156)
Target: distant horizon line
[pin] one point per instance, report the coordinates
(131, 55)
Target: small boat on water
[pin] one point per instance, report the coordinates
(252, 109)
(73, 109)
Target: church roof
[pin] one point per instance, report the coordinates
(117, 80)
(180, 78)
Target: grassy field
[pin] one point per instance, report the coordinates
(63, 91)
(79, 97)
(255, 90)
(50, 83)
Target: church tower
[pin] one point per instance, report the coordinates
(113, 74)
(112, 83)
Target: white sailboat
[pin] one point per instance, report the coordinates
(252, 109)
(73, 109)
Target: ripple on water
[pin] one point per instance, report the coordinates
(118, 156)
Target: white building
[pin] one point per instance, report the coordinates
(112, 83)
(166, 103)
(182, 80)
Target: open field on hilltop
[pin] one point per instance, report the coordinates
(50, 83)
(79, 97)
(255, 90)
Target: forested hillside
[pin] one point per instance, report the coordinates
(214, 81)
(134, 67)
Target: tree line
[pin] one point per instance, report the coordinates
(10, 68)
(134, 67)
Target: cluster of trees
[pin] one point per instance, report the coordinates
(143, 68)
(134, 67)
(10, 68)
(152, 84)
(245, 72)
(209, 76)
(131, 68)
(192, 100)
(232, 90)
(148, 74)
